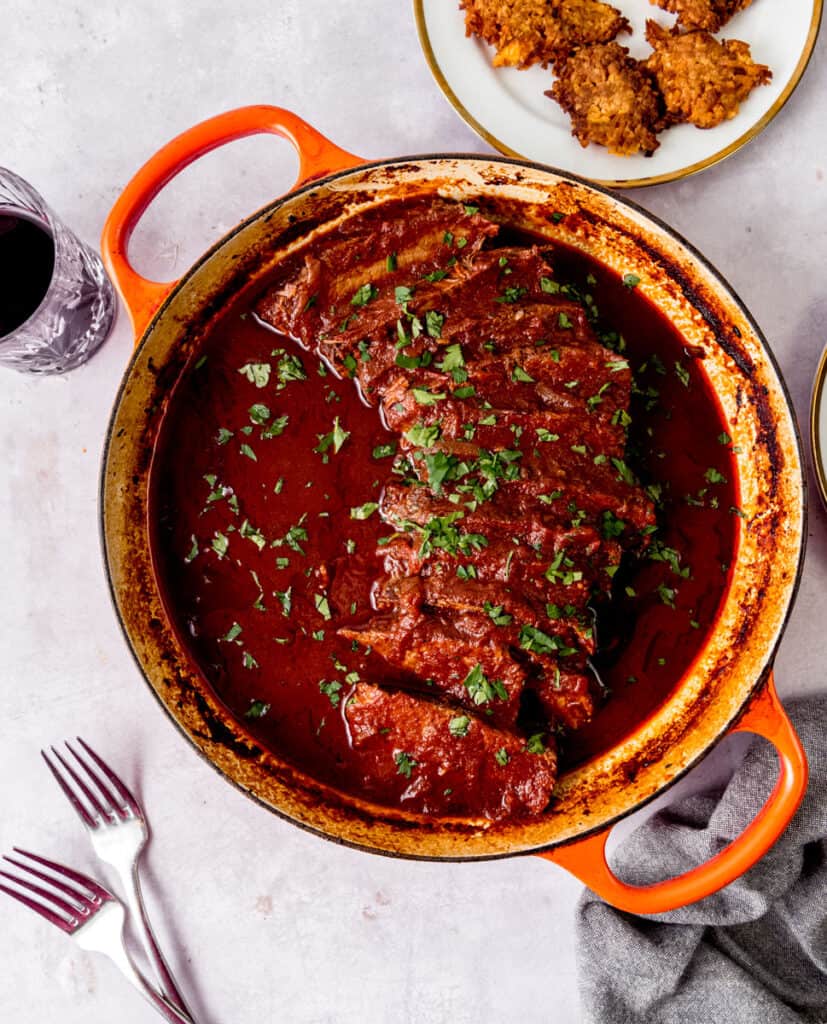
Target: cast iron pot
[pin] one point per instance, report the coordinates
(728, 686)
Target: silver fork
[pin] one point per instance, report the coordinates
(119, 832)
(87, 912)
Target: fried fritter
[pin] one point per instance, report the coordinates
(526, 32)
(610, 99)
(709, 15)
(702, 81)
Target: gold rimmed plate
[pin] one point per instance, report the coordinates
(508, 108)
(818, 427)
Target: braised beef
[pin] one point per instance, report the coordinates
(510, 505)
(474, 768)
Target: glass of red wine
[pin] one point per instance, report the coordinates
(56, 303)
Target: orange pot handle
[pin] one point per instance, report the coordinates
(586, 858)
(317, 157)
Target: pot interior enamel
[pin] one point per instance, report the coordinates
(734, 656)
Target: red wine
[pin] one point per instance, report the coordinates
(27, 260)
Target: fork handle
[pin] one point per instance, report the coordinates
(135, 903)
(162, 1005)
(104, 934)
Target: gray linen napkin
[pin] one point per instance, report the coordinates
(754, 953)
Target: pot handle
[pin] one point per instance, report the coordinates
(318, 156)
(586, 858)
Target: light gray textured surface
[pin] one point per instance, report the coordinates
(268, 923)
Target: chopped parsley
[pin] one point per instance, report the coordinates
(285, 599)
(423, 437)
(259, 413)
(257, 709)
(288, 369)
(433, 323)
(481, 689)
(561, 570)
(292, 538)
(714, 477)
(413, 362)
(253, 534)
(404, 763)
(519, 375)
(459, 725)
(231, 634)
(511, 295)
(335, 439)
(331, 690)
(276, 428)
(624, 473)
(611, 526)
(497, 615)
(364, 511)
(424, 397)
(442, 533)
(453, 362)
(256, 373)
(365, 294)
(631, 280)
(534, 639)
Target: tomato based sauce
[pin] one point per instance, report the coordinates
(266, 486)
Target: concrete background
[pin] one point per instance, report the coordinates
(262, 921)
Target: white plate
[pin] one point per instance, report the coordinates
(508, 109)
(818, 427)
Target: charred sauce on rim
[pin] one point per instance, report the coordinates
(264, 487)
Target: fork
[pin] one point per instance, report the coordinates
(88, 913)
(119, 832)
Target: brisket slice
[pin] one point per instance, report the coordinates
(484, 772)
(458, 657)
(566, 697)
(317, 298)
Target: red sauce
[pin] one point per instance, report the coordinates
(254, 615)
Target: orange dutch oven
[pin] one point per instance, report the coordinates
(728, 686)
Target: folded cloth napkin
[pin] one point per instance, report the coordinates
(754, 953)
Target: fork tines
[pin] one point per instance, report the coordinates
(70, 901)
(95, 791)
